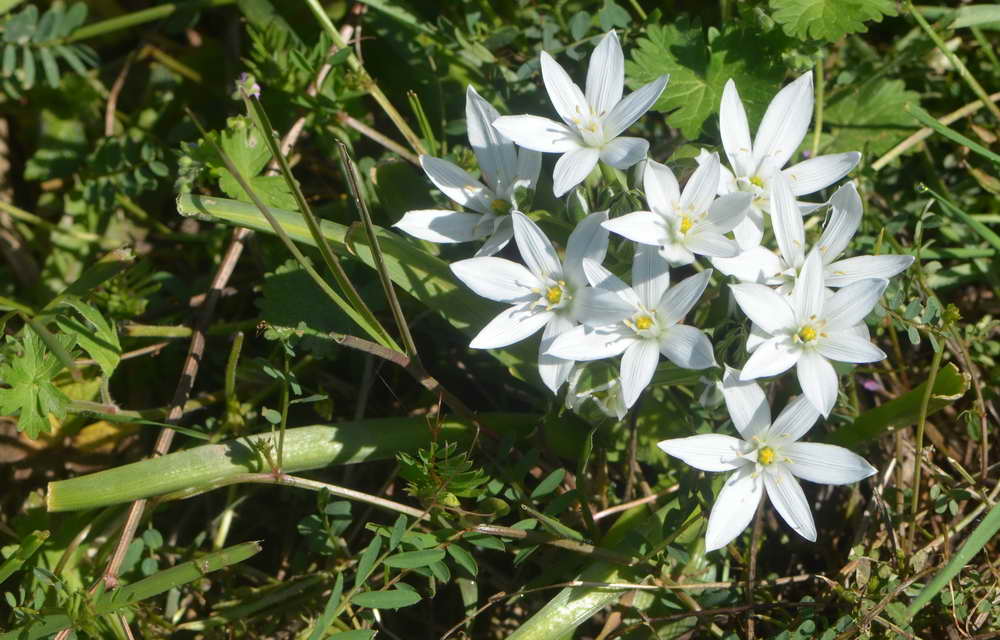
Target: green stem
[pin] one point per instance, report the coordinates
(918, 456)
(285, 401)
(130, 20)
(820, 100)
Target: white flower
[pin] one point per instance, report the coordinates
(780, 133)
(761, 265)
(809, 329)
(766, 457)
(506, 172)
(641, 322)
(593, 121)
(545, 294)
(685, 223)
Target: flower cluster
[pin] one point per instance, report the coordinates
(806, 305)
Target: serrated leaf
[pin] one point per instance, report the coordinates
(414, 559)
(699, 67)
(391, 599)
(828, 19)
(32, 396)
(870, 116)
(250, 154)
(97, 337)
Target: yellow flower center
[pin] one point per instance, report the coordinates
(807, 334)
(757, 182)
(554, 294)
(643, 322)
(765, 456)
(686, 224)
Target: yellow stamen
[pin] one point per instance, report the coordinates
(554, 294)
(757, 182)
(807, 334)
(765, 456)
(686, 224)
(643, 322)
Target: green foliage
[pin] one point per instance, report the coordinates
(441, 474)
(870, 115)
(31, 41)
(29, 371)
(829, 19)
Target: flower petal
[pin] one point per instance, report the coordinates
(536, 250)
(772, 357)
(679, 299)
(687, 347)
(662, 192)
(797, 418)
(763, 306)
(756, 265)
(789, 501)
(503, 232)
(826, 463)
(457, 184)
(746, 403)
(734, 507)
(572, 168)
(632, 106)
(588, 240)
(496, 278)
(785, 122)
(599, 307)
(847, 346)
(852, 270)
(711, 244)
(728, 211)
(650, 275)
(529, 165)
(676, 254)
(844, 221)
(708, 451)
(789, 232)
(566, 97)
(440, 225)
(538, 134)
(622, 153)
(494, 151)
(551, 369)
(809, 294)
(512, 325)
(750, 230)
(809, 176)
(600, 277)
(817, 379)
(734, 130)
(644, 227)
(850, 305)
(702, 186)
(606, 74)
(637, 369)
(584, 344)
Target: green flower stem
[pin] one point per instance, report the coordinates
(136, 330)
(130, 20)
(820, 100)
(304, 448)
(918, 456)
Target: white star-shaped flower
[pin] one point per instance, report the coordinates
(808, 329)
(685, 223)
(766, 457)
(507, 172)
(592, 121)
(546, 293)
(780, 133)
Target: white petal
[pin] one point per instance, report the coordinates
(457, 184)
(687, 347)
(584, 344)
(650, 275)
(539, 134)
(702, 186)
(756, 337)
(728, 211)
(662, 192)
(826, 463)
(746, 403)
(529, 164)
(553, 370)
(809, 176)
(785, 123)
(622, 153)
(851, 270)
(750, 230)
(632, 106)
(676, 254)
(598, 307)
(844, 220)
(756, 265)
(644, 227)
(818, 380)
(536, 250)
(494, 151)
(850, 305)
(774, 356)
(588, 240)
(512, 325)
(496, 278)
(734, 507)
(606, 74)
(440, 225)
(707, 451)
(598, 276)
(798, 416)
(763, 306)
(637, 369)
(566, 97)
(503, 232)
(789, 501)
(679, 299)
(711, 244)
(734, 129)
(789, 232)
(572, 168)
(809, 294)
(847, 346)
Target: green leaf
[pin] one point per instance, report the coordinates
(356, 634)
(32, 396)
(391, 599)
(291, 301)
(330, 610)
(415, 559)
(977, 15)
(398, 529)
(97, 337)
(549, 484)
(22, 553)
(367, 560)
(700, 65)
(250, 153)
(871, 116)
(463, 558)
(828, 19)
